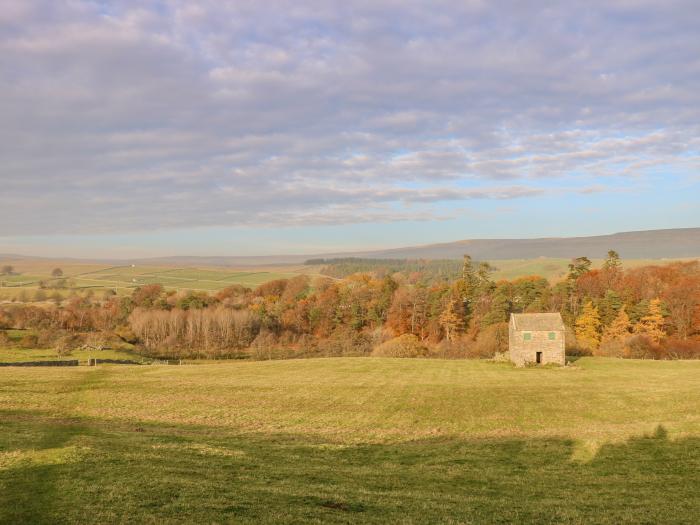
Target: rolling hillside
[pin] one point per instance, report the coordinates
(652, 244)
(647, 245)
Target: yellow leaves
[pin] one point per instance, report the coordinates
(588, 327)
(651, 325)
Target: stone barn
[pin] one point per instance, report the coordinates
(536, 339)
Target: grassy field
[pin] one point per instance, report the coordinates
(123, 279)
(352, 440)
(556, 269)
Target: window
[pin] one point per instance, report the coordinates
(527, 336)
(552, 336)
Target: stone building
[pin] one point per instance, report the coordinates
(536, 339)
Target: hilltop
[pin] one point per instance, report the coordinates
(650, 244)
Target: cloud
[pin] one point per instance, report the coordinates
(127, 116)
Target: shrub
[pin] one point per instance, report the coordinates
(406, 345)
(681, 348)
(345, 343)
(5, 319)
(264, 346)
(29, 341)
(612, 348)
(63, 347)
(491, 340)
(47, 338)
(641, 347)
(459, 348)
(126, 334)
(573, 349)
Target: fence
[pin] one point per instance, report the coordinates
(93, 361)
(72, 362)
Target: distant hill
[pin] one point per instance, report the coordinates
(651, 244)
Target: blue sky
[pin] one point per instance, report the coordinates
(245, 127)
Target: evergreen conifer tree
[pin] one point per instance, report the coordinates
(452, 320)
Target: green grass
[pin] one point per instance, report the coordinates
(124, 279)
(352, 441)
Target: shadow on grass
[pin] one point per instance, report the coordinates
(142, 473)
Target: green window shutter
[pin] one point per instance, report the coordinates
(527, 336)
(552, 336)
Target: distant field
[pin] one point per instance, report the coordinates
(557, 269)
(352, 441)
(123, 279)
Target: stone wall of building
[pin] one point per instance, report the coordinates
(523, 352)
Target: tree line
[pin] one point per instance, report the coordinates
(646, 312)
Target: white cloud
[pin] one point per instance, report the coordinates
(123, 116)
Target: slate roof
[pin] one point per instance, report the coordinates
(538, 322)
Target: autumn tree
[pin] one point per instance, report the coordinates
(651, 325)
(381, 305)
(620, 328)
(147, 295)
(683, 301)
(452, 319)
(615, 335)
(56, 272)
(588, 327)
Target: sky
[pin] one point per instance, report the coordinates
(172, 127)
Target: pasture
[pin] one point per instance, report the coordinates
(554, 269)
(29, 274)
(352, 440)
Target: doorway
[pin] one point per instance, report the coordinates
(538, 357)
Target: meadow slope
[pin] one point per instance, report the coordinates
(352, 440)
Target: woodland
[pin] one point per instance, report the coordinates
(650, 312)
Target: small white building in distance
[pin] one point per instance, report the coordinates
(536, 339)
